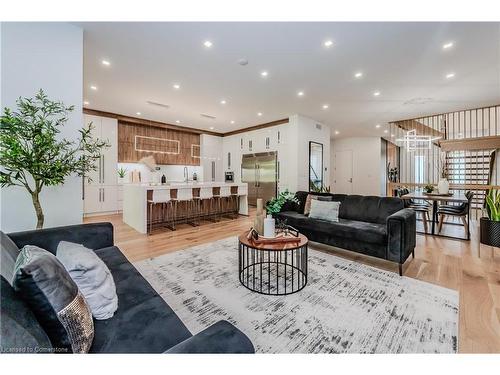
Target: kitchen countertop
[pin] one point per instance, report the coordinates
(184, 185)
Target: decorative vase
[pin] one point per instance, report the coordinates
(269, 226)
(489, 232)
(258, 223)
(443, 186)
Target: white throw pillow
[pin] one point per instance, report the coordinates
(92, 276)
(328, 211)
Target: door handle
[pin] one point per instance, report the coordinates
(100, 190)
(103, 172)
(103, 198)
(350, 180)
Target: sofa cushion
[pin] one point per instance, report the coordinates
(143, 323)
(20, 332)
(92, 276)
(302, 197)
(328, 211)
(349, 229)
(47, 288)
(369, 209)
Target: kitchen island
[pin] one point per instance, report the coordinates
(135, 197)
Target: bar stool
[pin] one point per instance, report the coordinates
(206, 194)
(184, 195)
(242, 191)
(233, 201)
(160, 197)
(225, 199)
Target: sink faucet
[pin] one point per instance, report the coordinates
(186, 174)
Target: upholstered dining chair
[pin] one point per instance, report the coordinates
(461, 210)
(418, 207)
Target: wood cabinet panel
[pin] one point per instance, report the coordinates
(167, 146)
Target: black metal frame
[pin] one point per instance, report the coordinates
(322, 163)
(270, 271)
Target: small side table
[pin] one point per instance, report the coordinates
(273, 269)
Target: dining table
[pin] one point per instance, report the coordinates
(435, 199)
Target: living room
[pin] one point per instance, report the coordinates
(246, 187)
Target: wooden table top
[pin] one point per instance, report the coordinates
(432, 197)
(272, 246)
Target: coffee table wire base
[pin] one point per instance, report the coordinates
(273, 272)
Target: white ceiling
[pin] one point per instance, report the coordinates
(404, 61)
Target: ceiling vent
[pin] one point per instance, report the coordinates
(207, 116)
(166, 106)
(418, 101)
(319, 127)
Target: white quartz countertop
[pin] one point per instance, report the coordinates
(183, 185)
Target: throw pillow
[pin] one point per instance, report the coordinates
(43, 283)
(20, 332)
(328, 211)
(92, 276)
(9, 253)
(310, 197)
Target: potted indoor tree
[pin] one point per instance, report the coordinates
(490, 226)
(34, 155)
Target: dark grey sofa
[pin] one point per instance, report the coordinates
(143, 323)
(375, 226)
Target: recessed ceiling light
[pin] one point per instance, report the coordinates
(325, 106)
(386, 131)
(358, 75)
(232, 121)
(448, 45)
(376, 93)
(105, 62)
(337, 132)
(259, 114)
(377, 126)
(264, 73)
(86, 102)
(328, 43)
(300, 93)
(176, 86)
(93, 87)
(138, 113)
(211, 128)
(392, 135)
(450, 75)
(207, 43)
(222, 101)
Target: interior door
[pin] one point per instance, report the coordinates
(343, 172)
(109, 198)
(109, 132)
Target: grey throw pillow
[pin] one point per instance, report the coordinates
(92, 276)
(9, 252)
(43, 283)
(328, 211)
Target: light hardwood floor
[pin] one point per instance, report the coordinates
(470, 268)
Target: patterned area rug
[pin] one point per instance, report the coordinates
(346, 307)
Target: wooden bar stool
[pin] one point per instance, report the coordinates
(206, 194)
(161, 198)
(184, 195)
(225, 200)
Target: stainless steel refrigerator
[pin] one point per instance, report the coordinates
(260, 172)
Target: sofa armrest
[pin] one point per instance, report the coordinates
(221, 337)
(94, 236)
(402, 235)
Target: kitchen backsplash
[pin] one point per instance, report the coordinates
(172, 172)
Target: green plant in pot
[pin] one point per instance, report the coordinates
(274, 205)
(34, 155)
(490, 226)
(428, 188)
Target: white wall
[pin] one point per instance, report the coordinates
(47, 56)
(366, 157)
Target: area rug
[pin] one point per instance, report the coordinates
(346, 307)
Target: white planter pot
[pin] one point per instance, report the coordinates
(443, 186)
(269, 227)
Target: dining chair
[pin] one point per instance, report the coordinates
(461, 210)
(418, 207)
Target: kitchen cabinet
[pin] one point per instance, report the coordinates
(101, 186)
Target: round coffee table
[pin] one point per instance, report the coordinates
(273, 269)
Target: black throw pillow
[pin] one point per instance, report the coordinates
(45, 285)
